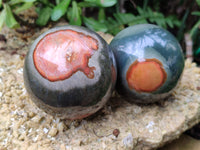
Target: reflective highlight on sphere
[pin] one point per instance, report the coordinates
(146, 76)
(60, 54)
(149, 63)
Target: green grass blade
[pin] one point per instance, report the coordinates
(23, 7)
(106, 3)
(59, 10)
(44, 16)
(197, 13)
(10, 20)
(95, 25)
(195, 27)
(198, 2)
(75, 18)
(2, 18)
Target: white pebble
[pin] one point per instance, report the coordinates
(45, 130)
(20, 71)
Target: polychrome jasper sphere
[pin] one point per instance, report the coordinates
(149, 62)
(70, 72)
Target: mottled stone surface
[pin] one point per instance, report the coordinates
(23, 126)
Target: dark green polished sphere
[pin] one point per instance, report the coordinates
(70, 72)
(149, 62)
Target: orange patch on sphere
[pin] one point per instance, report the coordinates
(146, 76)
(113, 71)
(62, 53)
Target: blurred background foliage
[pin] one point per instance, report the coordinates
(110, 16)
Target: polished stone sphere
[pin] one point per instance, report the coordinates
(70, 72)
(150, 62)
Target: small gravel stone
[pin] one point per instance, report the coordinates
(53, 131)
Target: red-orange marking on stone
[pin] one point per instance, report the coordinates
(146, 76)
(81, 116)
(113, 71)
(62, 53)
